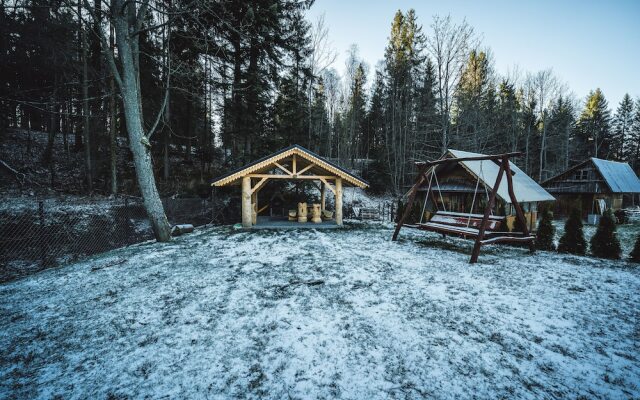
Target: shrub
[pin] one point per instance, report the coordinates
(572, 241)
(546, 232)
(621, 216)
(635, 253)
(605, 243)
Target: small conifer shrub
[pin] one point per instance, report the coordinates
(635, 253)
(572, 241)
(546, 232)
(605, 243)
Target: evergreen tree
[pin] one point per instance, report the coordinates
(319, 119)
(290, 115)
(508, 132)
(546, 232)
(633, 142)
(355, 115)
(561, 130)
(472, 103)
(622, 122)
(426, 114)
(635, 253)
(594, 125)
(605, 243)
(572, 241)
(402, 65)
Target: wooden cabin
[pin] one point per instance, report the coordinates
(464, 188)
(594, 185)
(291, 164)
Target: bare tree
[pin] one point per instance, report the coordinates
(546, 89)
(449, 46)
(322, 56)
(127, 19)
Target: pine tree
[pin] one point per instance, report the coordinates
(633, 143)
(605, 243)
(509, 118)
(472, 103)
(572, 241)
(561, 129)
(621, 127)
(635, 253)
(594, 125)
(546, 232)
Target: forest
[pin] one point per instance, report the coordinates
(182, 91)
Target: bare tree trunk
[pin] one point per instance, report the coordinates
(85, 110)
(137, 140)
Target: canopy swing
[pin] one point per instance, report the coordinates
(483, 228)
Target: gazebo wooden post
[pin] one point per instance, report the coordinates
(516, 205)
(254, 206)
(323, 196)
(246, 202)
(338, 201)
(485, 218)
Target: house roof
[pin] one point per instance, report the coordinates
(525, 188)
(618, 175)
(319, 165)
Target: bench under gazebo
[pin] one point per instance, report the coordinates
(293, 164)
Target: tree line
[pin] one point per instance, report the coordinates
(195, 88)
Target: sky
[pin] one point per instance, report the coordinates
(587, 44)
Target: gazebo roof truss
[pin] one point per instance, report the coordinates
(293, 163)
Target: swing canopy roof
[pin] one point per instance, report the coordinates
(308, 165)
(525, 188)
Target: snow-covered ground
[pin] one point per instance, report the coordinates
(226, 313)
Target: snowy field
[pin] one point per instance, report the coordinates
(225, 313)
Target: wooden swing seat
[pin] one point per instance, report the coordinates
(467, 226)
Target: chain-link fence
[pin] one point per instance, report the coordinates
(37, 234)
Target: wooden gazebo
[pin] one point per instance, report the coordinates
(294, 163)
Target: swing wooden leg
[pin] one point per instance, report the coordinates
(485, 218)
(516, 205)
(407, 210)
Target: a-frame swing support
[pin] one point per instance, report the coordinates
(505, 168)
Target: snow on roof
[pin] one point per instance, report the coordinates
(619, 176)
(525, 188)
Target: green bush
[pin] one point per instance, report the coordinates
(546, 232)
(605, 243)
(572, 241)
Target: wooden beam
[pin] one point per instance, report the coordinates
(473, 158)
(283, 168)
(295, 165)
(323, 196)
(516, 204)
(305, 169)
(327, 184)
(259, 185)
(293, 177)
(485, 218)
(412, 197)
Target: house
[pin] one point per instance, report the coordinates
(594, 185)
(293, 164)
(464, 187)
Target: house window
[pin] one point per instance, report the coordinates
(581, 175)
